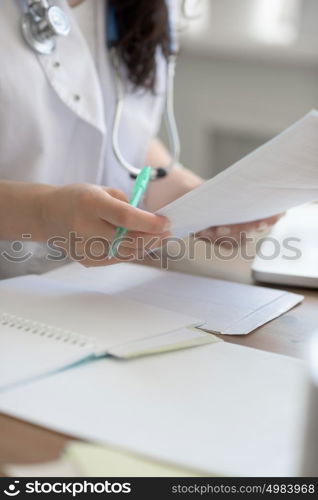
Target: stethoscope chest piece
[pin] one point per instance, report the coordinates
(42, 24)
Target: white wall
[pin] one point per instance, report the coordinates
(233, 93)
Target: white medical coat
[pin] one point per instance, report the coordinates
(56, 114)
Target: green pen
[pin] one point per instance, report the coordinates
(139, 188)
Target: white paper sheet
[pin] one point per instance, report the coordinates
(281, 174)
(227, 308)
(106, 320)
(49, 325)
(221, 409)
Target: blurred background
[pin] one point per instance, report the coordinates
(247, 69)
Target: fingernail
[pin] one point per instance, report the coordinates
(263, 226)
(166, 226)
(223, 231)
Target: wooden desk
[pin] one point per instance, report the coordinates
(21, 442)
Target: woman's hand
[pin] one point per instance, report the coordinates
(179, 182)
(82, 219)
(232, 234)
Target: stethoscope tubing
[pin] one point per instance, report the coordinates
(169, 118)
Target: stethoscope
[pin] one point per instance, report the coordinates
(42, 23)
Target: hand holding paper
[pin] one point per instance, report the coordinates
(281, 174)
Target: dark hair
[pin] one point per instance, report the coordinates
(142, 28)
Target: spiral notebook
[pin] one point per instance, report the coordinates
(46, 325)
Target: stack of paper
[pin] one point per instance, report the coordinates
(225, 307)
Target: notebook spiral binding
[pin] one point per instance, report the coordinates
(43, 330)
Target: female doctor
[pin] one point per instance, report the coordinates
(58, 173)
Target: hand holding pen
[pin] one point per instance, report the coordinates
(92, 213)
(139, 189)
